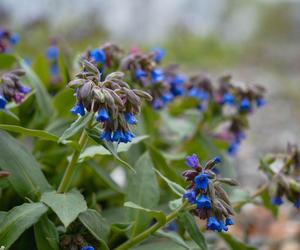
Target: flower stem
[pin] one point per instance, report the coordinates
(144, 235)
(68, 175)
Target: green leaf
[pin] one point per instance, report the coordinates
(26, 176)
(158, 215)
(94, 134)
(43, 98)
(172, 236)
(63, 102)
(2, 216)
(266, 199)
(143, 190)
(235, 243)
(92, 151)
(96, 224)
(76, 126)
(177, 189)
(105, 177)
(46, 235)
(67, 206)
(161, 164)
(160, 245)
(18, 220)
(191, 227)
(31, 132)
(7, 61)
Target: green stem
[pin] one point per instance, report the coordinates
(68, 175)
(147, 233)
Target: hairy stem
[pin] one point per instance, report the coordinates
(68, 175)
(147, 233)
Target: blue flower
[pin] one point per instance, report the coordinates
(159, 53)
(87, 248)
(157, 104)
(245, 104)
(54, 69)
(24, 89)
(203, 202)
(192, 161)
(117, 136)
(102, 115)
(228, 98)
(127, 136)
(98, 55)
(130, 118)
(201, 181)
(14, 39)
(52, 52)
(106, 136)
(260, 102)
(139, 73)
(157, 75)
(212, 223)
(277, 201)
(229, 221)
(233, 148)
(78, 109)
(3, 102)
(217, 160)
(167, 97)
(297, 203)
(190, 195)
(222, 226)
(198, 94)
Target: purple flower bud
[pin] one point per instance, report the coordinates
(192, 161)
(190, 174)
(233, 148)
(201, 181)
(277, 201)
(222, 226)
(78, 109)
(217, 160)
(98, 55)
(157, 104)
(3, 102)
(102, 115)
(203, 202)
(130, 118)
(117, 136)
(24, 89)
(18, 97)
(127, 136)
(54, 70)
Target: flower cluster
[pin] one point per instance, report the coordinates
(144, 68)
(7, 40)
(286, 180)
(235, 103)
(52, 55)
(11, 87)
(116, 105)
(205, 191)
(106, 58)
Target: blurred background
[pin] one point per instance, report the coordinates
(256, 41)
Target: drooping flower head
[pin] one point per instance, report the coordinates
(114, 103)
(205, 191)
(11, 87)
(7, 40)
